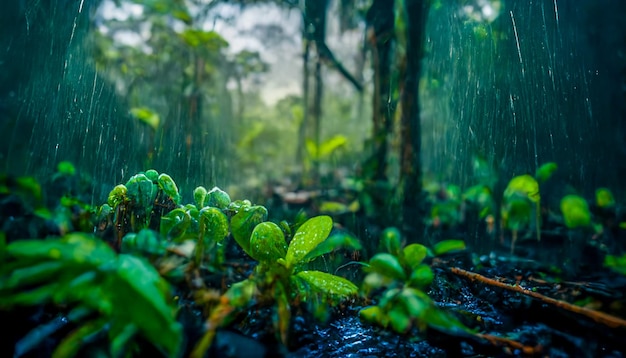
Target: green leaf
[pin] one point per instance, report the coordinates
(75, 247)
(167, 184)
(139, 295)
(604, 198)
(214, 222)
(414, 254)
(267, 243)
(199, 196)
(446, 246)
(66, 168)
(387, 265)
(332, 243)
(117, 196)
(309, 235)
(174, 225)
(146, 116)
(575, 212)
(242, 224)
(545, 171)
(331, 285)
(391, 240)
(400, 321)
(524, 185)
(71, 344)
(373, 314)
(421, 277)
(218, 198)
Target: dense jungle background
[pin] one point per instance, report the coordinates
(412, 150)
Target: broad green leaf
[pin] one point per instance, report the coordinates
(335, 286)
(74, 247)
(218, 198)
(445, 246)
(387, 265)
(414, 254)
(545, 171)
(214, 222)
(267, 243)
(334, 242)
(152, 175)
(31, 274)
(242, 224)
(309, 235)
(575, 212)
(139, 295)
(524, 185)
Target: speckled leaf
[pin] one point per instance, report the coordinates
(242, 224)
(328, 284)
(218, 198)
(117, 195)
(199, 196)
(387, 265)
(214, 222)
(309, 235)
(142, 192)
(267, 243)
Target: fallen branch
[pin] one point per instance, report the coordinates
(600, 317)
(511, 344)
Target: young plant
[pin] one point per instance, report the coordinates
(120, 296)
(403, 276)
(521, 197)
(280, 276)
(141, 201)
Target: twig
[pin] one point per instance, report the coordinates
(600, 317)
(512, 344)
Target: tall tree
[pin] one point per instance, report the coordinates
(415, 12)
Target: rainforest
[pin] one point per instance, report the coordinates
(312, 178)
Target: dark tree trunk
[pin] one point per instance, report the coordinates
(380, 19)
(410, 165)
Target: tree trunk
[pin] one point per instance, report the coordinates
(410, 165)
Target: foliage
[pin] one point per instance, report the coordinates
(120, 295)
(402, 275)
(280, 276)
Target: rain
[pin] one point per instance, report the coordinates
(412, 177)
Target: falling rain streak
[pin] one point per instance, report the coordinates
(524, 81)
